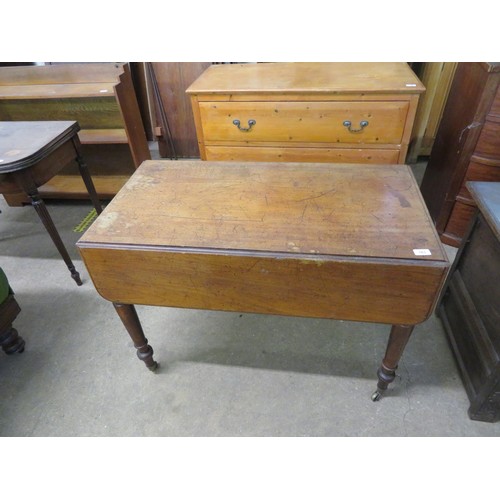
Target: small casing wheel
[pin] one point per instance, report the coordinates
(153, 367)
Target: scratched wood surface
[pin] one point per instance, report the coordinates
(330, 209)
(314, 240)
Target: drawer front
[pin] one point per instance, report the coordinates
(317, 122)
(488, 143)
(308, 155)
(479, 172)
(459, 220)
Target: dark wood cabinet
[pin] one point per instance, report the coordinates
(470, 307)
(467, 148)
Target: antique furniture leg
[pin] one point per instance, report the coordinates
(87, 179)
(129, 318)
(10, 341)
(41, 209)
(398, 338)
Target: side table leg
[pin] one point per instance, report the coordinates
(41, 209)
(398, 338)
(87, 179)
(131, 321)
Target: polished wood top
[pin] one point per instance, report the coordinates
(23, 144)
(298, 77)
(286, 208)
(487, 197)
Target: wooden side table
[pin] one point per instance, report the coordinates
(313, 240)
(31, 153)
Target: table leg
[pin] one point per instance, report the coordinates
(25, 182)
(87, 179)
(398, 338)
(41, 209)
(131, 321)
(11, 342)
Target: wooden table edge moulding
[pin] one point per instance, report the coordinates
(339, 241)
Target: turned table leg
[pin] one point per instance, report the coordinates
(130, 320)
(398, 338)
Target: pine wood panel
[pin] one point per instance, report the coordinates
(309, 78)
(320, 155)
(305, 121)
(61, 74)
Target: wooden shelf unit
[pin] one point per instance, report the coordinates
(101, 97)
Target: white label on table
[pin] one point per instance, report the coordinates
(422, 251)
(411, 84)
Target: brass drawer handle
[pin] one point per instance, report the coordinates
(251, 123)
(348, 124)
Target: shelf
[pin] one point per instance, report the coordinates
(103, 136)
(72, 187)
(57, 91)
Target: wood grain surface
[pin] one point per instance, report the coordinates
(322, 240)
(308, 77)
(329, 209)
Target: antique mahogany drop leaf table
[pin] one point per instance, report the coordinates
(351, 242)
(31, 153)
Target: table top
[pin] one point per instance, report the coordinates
(306, 77)
(23, 144)
(279, 208)
(487, 197)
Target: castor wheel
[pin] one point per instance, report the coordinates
(153, 367)
(12, 343)
(376, 396)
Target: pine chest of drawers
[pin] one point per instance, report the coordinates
(305, 112)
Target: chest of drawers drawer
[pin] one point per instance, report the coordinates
(299, 122)
(306, 112)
